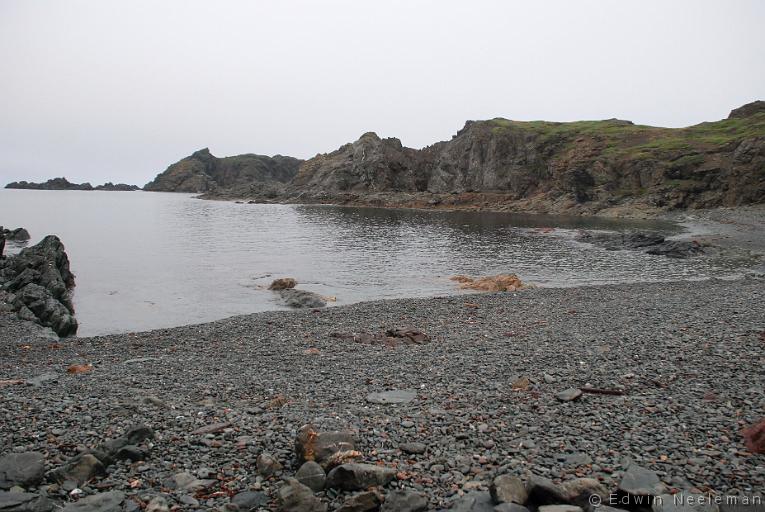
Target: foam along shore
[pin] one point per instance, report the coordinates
(498, 384)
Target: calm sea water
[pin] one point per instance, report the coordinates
(147, 260)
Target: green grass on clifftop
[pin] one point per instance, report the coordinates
(622, 139)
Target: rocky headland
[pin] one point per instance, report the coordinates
(64, 184)
(609, 167)
(203, 172)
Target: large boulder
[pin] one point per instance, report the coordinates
(299, 299)
(23, 469)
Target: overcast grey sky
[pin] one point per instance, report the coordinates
(107, 90)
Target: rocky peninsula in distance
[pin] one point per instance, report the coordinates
(64, 184)
(527, 400)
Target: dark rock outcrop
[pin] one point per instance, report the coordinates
(16, 235)
(37, 282)
(203, 172)
(750, 109)
(300, 299)
(650, 243)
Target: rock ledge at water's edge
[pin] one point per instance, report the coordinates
(36, 284)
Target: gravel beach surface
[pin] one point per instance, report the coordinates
(480, 399)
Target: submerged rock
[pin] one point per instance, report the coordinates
(283, 283)
(302, 299)
(650, 243)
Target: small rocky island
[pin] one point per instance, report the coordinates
(64, 184)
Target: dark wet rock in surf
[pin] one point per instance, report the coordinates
(299, 299)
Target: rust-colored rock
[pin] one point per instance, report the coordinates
(325, 448)
(498, 283)
(754, 437)
(283, 283)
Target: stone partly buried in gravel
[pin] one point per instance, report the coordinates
(84, 466)
(393, 397)
(322, 446)
(559, 508)
(23, 469)
(312, 475)
(362, 502)
(249, 500)
(569, 395)
(580, 491)
(474, 502)
(389, 338)
(542, 491)
(638, 484)
(296, 497)
(405, 501)
(187, 482)
(413, 448)
(24, 502)
(508, 489)
(357, 476)
(157, 504)
(267, 465)
(101, 502)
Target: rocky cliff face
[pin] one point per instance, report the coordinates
(203, 172)
(580, 167)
